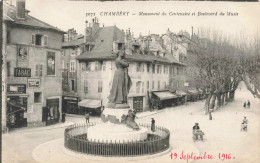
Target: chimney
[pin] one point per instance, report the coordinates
(95, 26)
(88, 32)
(20, 9)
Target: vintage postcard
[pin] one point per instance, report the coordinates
(130, 81)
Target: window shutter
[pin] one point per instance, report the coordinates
(40, 71)
(37, 70)
(33, 39)
(45, 40)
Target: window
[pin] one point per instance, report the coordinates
(41, 40)
(85, 86)
(142, 87)
(165, 84)
(164, 69)
(38, 70)
(158, 85)
(138, 67)
(148, 67)
(138, 87)
(153, 68)
(147, 85)
(73, 85)
(153, 85)
(104, 66)
(136, 48)
(8, 37)
(100, 83)
(120, 46)
(89, 47)
(8, 65)
(72, 66)
(37, 97)
(98, 66)
(68, 65)
(159, 69)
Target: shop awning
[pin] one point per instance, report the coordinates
(180, 93)
(165, 95)
(88, 103)
(193, 91)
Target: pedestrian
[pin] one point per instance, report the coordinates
(244, 124)
(87, 117)
(244, 105)
(153, 125)
(248, 104)
(245, 120)
(63, 117)
(210, 116)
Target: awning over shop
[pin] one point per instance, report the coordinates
(165, 95)
(180, 93)
(193, 91)
(88, 103)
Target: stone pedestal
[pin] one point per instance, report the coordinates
(115, 132)
(113, 129)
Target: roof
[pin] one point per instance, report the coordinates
(103, 39)
(146, 58)
(10, 15)
(73, 43)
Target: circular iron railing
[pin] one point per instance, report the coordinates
(75, 139)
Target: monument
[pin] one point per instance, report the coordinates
(118, 134)
(118, 118)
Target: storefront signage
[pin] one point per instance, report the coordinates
(186, 84)
(16, 88)
(70, 98)
(22, 72)
(34, 82)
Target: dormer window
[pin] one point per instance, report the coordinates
(136, 48)
(41, 40)
(89, 47)
(120, 46)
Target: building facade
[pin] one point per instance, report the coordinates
(72, 46)
(33, 69)
(149, 67)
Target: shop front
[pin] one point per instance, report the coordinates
(90, 106)
(192, 95)
(70, 104)
(17, 100)
(182, 97)
(162, 99)
(51, 113)
(138, 103)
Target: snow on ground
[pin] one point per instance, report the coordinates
(222, 134)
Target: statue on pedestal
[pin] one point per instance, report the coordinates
(121, 82)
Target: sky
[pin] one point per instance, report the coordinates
(66, 14)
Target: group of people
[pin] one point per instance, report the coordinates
(247, 104)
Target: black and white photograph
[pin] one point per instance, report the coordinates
(130, 81)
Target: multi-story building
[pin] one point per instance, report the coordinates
(148, 71)
(72, 46)
(33, 69)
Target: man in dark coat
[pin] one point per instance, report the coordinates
(248, 104)
(153, 125)
(63, 117)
